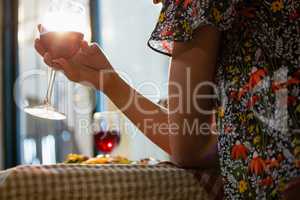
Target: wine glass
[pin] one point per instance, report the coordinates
(106, 131)
(61, 37)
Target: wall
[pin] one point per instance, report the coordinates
(1, 132)
(126, 26)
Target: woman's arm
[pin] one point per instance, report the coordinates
(149, 117)
(161, 126)
(193, 64)
(193, 68)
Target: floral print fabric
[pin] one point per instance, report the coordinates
(258, 76)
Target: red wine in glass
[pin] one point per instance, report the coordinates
(106, 141)
(61, 44)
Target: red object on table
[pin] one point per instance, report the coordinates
(106, 141)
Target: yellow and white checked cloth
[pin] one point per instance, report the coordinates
(105, 182)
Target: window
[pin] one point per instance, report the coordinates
(125, 28)
(44, 141)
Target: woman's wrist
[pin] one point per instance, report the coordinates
(108, 81)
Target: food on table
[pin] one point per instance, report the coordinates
(107, 159)
(76, 158)
(101, 159)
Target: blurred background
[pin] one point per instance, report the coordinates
(122, 29)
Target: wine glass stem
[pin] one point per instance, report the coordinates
(50, 86)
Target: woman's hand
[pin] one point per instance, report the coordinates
(89, 65)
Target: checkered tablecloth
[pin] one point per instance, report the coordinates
(106, 182)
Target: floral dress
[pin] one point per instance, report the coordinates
(258, 76)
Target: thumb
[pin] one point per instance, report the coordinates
(90, 49)
(63, 63)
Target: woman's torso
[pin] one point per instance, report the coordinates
(259, 106)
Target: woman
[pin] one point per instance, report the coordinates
(251, 50)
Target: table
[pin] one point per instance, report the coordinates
(108, 182)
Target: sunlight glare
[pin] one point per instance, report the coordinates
(70, 16)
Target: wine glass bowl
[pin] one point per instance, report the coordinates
(106, 128)
(107, 140)
(61, 44)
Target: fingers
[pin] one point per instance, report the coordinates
(77, 72)
(63, 63)
(89, 55)
(90, 49)
(84, 46)
(39, 47)
(94, 49)
(41, 28)
(82, 58)
(88, 60)
(48, 59)
(46, 56)
(72, 72)
(37, 43)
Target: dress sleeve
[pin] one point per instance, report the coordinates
(178, 20)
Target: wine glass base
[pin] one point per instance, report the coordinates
(45, 112)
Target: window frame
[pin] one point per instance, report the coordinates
(10, 72)
(96, 37)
